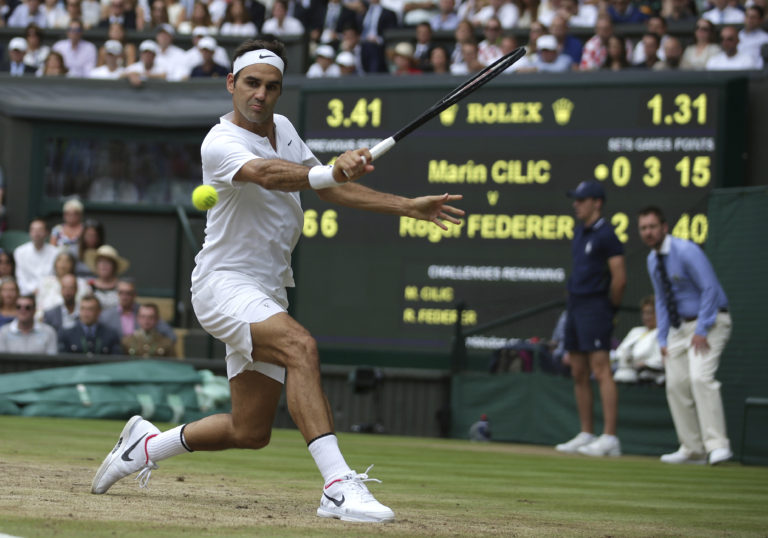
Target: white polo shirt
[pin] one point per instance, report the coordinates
(251, 230)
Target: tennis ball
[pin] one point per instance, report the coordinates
(204, 197)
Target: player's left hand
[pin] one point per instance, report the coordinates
(700, 344)
(435, 209)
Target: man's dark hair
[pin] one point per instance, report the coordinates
(759, 9)
(654, 36)
(88, 298)
(153, 307)
(652, 210)
(29, 297)
(272, 45)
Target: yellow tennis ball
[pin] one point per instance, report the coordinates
(204, 197)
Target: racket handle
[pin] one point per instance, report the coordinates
(382, 147)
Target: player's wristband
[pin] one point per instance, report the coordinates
(321, 177)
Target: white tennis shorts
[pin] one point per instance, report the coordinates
(226, 303)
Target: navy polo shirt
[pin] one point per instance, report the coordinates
(591, 248)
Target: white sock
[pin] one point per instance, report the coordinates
(328, 458)
(167, 444)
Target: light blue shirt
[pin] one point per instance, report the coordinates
(695, 286)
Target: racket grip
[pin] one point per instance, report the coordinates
(382, 147)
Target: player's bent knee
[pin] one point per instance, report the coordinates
(253, 439)
(302, 353)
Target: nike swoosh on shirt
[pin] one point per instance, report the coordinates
(334, 501)
(127, 454)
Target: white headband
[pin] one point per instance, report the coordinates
(261, 56)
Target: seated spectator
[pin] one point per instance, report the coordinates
(67, 234)
(54, 66)
(119, 13)
(146, 68)
(470, 62)
(650, 43)
(346, 63)
(237, 21)
(34, 259)
(36, 51)
(697, 55)
(7, 265)
(489, 49)
(129, 53)
(752, 38)
(535, 31)
(423, 46)
(281, 23)
(730, 59)
(91, 10)
(403, 62)
(193, 57)
(147, 341)
(529, 13)
(577, 15)
(464, 33)
(56, 15)
(566, 44)
(88, 335)
(324, 65)
(111, 70)
(509, 44)
(90, 240)
(549, 59)
(640, 351)
(15, 65)
(673, 55)
(9, 292)
(504, 10)
(723, 13)
(49, 294)
(595, 49)
(169, 57)
(327, 20)
(679, 11)
(446, 19)
(201, 18)
(24, 334)
(625, 12)
(28, 12)
(616, 59)
(66, 314)
(208, 68)
(79, 55)
(107, 265)
(439, 61)
(158, 16)
(654, 25)
(122, 318)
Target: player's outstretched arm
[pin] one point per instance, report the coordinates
(437, 209)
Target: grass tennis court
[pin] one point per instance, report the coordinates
(436, 488)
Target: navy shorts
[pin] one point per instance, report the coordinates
(589, 323)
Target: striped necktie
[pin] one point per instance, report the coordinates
(669, 297)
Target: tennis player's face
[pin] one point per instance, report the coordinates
(255, 95)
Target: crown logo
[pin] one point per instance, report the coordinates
(563, 108)
(448, 116)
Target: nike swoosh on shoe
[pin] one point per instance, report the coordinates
(334, 501)
(127, 454)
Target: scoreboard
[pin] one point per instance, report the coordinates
(512, 149)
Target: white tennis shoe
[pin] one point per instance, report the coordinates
(348, 499)
(605, 445)
(128, 456)
(573, 446)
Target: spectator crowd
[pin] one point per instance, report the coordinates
(63, 292)
(347, 37)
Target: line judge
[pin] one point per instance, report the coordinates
(258, 164)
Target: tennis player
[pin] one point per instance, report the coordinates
(258, 164)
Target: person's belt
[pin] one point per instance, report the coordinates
(694, 318)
